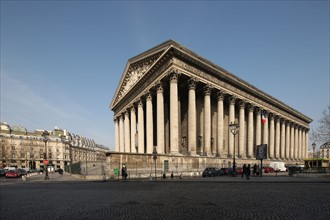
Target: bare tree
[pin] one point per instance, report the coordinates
(322, 133)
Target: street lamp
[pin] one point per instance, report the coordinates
(45, 135)
(234, 128)
(313, 145)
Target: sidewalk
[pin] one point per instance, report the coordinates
(281, 177)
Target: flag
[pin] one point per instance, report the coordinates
(263, 119)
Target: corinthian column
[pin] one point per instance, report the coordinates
(306, 143)
(241, 143)
(232, 100)
(174, 117)
(140, 127)
(265, 130)
(160, 119)
(117, 148)
(220, 149)
(277, 137)
(299, 143)
(282, 154)
(287, 140)
(192, 126)
(127, 133)
(303, 135)
(271, 137)
(292, 141)
(207, 120)
(133, 129)
(150, 129)
(296, 142)
(250, 132)
(121, 134)
(258, 126)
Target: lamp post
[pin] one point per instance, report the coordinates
(313, 145)
(45, 135)
(234, 128)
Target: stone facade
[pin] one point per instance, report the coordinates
(24, 149)
(172, 101)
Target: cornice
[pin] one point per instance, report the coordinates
(172, 57)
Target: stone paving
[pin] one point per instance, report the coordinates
(70, 197)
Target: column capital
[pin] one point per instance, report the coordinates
(207, 89)
(174, 77)
(251, 107)
(220, 95)
(242, 104)
(127, 112)
(192, 83)
(132, 108)
(160, 88)
(149, 96)
(232, 99)
(258, 110)
(140, 103)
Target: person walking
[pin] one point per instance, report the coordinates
(254, 169)
(124, 173)
(244, 170)
(248, 171)
(258, 170)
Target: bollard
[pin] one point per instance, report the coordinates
(24, 178)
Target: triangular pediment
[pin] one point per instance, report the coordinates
(136, 68)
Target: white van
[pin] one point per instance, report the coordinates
(278, 166)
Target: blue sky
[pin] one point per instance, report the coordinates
(61, 61)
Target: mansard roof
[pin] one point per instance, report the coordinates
(140, 67)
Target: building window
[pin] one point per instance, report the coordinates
(22, 155)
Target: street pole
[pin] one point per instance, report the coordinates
(45, 136)
(234, 128)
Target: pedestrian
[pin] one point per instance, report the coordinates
(123, 172)
(258, 170)
(248, 171)
(244, 170)
(254, 169)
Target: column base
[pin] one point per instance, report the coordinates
(193, 153)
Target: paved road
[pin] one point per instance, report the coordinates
(69, 197)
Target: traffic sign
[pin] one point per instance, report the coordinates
(46, 162)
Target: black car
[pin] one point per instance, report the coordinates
(3, 172)
(212, 171)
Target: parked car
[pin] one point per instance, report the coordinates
(212, 171)
(13, 174)
(33, 171)
(3, 172)
(269, 170)
(23, 171)
(40, 170)
(227, 171)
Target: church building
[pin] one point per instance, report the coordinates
(175, 103)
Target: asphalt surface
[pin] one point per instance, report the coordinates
(70, 197)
